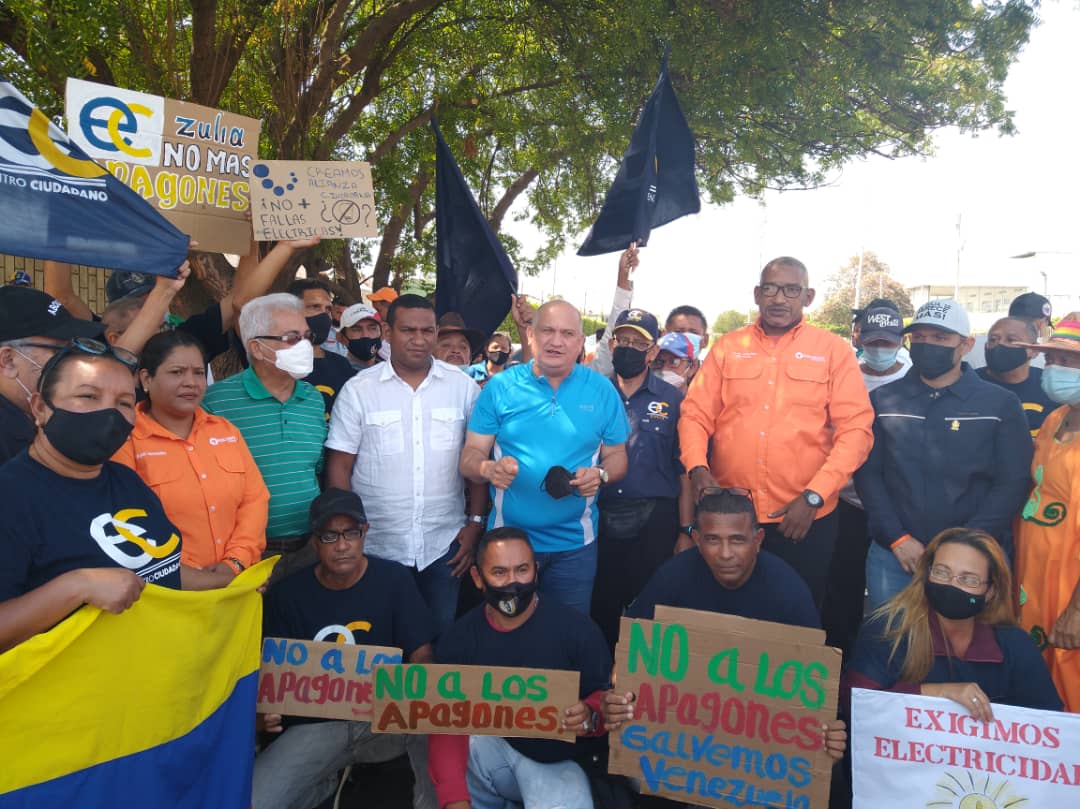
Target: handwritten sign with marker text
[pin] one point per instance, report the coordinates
(315, 678)
(473, 700)
(190, 162)
(729, 711)
(297, 199)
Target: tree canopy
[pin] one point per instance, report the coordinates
(728, 320)
(876, 282)
(538, 98)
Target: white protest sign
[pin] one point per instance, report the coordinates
(912, 751)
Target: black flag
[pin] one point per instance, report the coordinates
(655, 183)
(474, 276)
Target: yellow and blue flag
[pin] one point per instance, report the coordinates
(154, 707)
(57, 203)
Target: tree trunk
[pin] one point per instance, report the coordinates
(392, 231)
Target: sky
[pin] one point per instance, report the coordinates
(1011, 195)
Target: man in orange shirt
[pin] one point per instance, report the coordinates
(779, 408)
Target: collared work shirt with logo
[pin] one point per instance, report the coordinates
(208, 483)
(778, 416)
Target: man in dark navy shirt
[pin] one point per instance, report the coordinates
(516, 627)
(346, 597)
(1008, 364)
(949, 450)
(641, 514)
(726, 570)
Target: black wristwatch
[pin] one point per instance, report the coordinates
(686, 529)
(813, 499)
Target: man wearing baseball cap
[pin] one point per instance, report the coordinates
(949, 450)
(1036, 309)
(33, 327)
(677, 361)
(361, 331)
(381, 299)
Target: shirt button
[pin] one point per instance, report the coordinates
(762, 434)
(203, 476)
(190, 448)
(766, 407)
(218, 541)
(212, 508)
(770, 381)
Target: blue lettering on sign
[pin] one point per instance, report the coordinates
(660, 773)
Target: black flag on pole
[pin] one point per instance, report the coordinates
(655, 183)
(474, 276)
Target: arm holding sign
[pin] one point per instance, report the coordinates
(254, 277)
(58, 284)
(151, 316)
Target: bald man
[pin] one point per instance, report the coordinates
(546, 436)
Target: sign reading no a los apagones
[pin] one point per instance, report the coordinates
(913, 751)
(729, 711)
(295, 199)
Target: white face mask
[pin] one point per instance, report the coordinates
(672, 377)
(29, 394)
(297, 360)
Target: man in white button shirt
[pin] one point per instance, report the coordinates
(396, 432)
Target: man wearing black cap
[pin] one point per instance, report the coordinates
(349, 598)
(1035, 309)
(33, 326)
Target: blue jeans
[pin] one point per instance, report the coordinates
(567, 576)
(299, 770)
(499, 777)
(884, 576)
(439, 587)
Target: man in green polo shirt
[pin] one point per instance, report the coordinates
(281, 418)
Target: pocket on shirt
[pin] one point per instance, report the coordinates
(807, 383)
(159, 474)
(447, 428)
(228, 457)
(385, 426)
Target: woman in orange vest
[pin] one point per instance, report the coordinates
(1048, 539)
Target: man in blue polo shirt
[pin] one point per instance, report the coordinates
(547, 435)
(641, 514)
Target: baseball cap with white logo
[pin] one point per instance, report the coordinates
(881, 323)
(357, 312)
(944, 314)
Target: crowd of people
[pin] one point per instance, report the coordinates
(432, 488)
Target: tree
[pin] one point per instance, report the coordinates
(537, 98)
(877, 282)
(728, 320)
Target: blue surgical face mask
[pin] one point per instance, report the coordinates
(880, 358)
(1061, 384)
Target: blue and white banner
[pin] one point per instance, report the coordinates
(57, 203)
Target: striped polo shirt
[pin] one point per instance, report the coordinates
(285, 438)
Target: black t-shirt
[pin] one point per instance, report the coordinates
(774, 591)
(53, 524)
(329, 376)
(208, 328)
(1037, 405)
(554, 637)
(16, 430)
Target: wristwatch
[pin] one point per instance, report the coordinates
(686, 529)
(477, 518)
(813, 499)
(603, 475)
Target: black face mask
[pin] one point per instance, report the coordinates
(557, 482)
(365, 348)
(932, 361)
(90, 438)
(511, 600)
(498, 358)
(320, 327)
(952, 602)
(628, 362)
(1002, 359)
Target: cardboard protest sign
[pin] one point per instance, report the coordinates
(728, 710)
(315, 678)
(297, 199)
(190, 162)
(909, 750)
(473, 700)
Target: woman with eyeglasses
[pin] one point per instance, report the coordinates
(78, 528)
(197, 464)
(952, 633)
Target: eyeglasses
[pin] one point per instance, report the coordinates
(943, 575)
(290, 338)
(736, 491)
(669, 361)
(95, 348)
(769, 290)
(349, 535)
(637, 345)
(32, 344)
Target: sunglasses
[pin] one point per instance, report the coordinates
(735, 491)
(90, 347)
